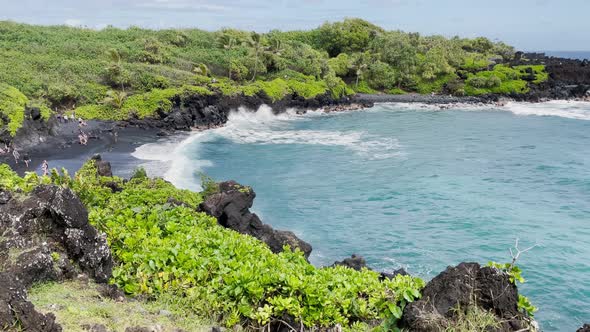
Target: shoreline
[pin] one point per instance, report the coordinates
(58, 140)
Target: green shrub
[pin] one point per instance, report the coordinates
(436, 85)
(363, 87)
(276, 89)
(12, 108)
(396, 91)
(502, 80)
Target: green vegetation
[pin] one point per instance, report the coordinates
(116, 74)
(503, 79)
(76, 304)
(166, 252)
(12, 108)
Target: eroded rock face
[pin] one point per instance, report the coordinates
(462, 286)
(45, 236)
(231, 206)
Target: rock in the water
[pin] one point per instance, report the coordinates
(45, 236)
(465, 285)
(354, 262)
(231, 206)
(585, 328)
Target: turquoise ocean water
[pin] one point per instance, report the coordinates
(417, 187)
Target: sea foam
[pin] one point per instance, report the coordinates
(176, 159)
(566, 109)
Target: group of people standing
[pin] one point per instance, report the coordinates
(15, 154)
(25, 158)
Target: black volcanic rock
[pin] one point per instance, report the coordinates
(354, 262)
(45, 236)
(357, 262)
(231, 206)
(103, 167)
(467, 284)
(585, 328)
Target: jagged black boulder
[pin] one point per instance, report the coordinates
(354, 262)
(103, 167)
(585, 328)
(231, 206)
(460, 287)
(357, 262)
(45, 236)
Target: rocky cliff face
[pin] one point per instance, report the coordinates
(45, 236)
(231, 206)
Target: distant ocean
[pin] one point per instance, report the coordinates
(569, 54)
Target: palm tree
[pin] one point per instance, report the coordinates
(359, 66)
(227, 42)
(276, 46)
(116, 99)
(202, 69)
(255, 43)
(115, 69)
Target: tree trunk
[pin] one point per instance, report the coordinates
(229, 70)
(255, 64)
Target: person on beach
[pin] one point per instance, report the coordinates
(83, 138)
(16, 155)
(45, 168)
(27, 160)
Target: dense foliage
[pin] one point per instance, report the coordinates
(114, 73)
(164, 249)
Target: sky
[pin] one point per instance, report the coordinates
(530, 25)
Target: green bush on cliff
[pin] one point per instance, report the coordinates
(12, 108)
(164, 251)
(504, 80)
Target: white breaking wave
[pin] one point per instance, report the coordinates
(566, 109)
(262, 127)
(174, 159)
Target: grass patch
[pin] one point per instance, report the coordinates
(472, 319)
(76, 304)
